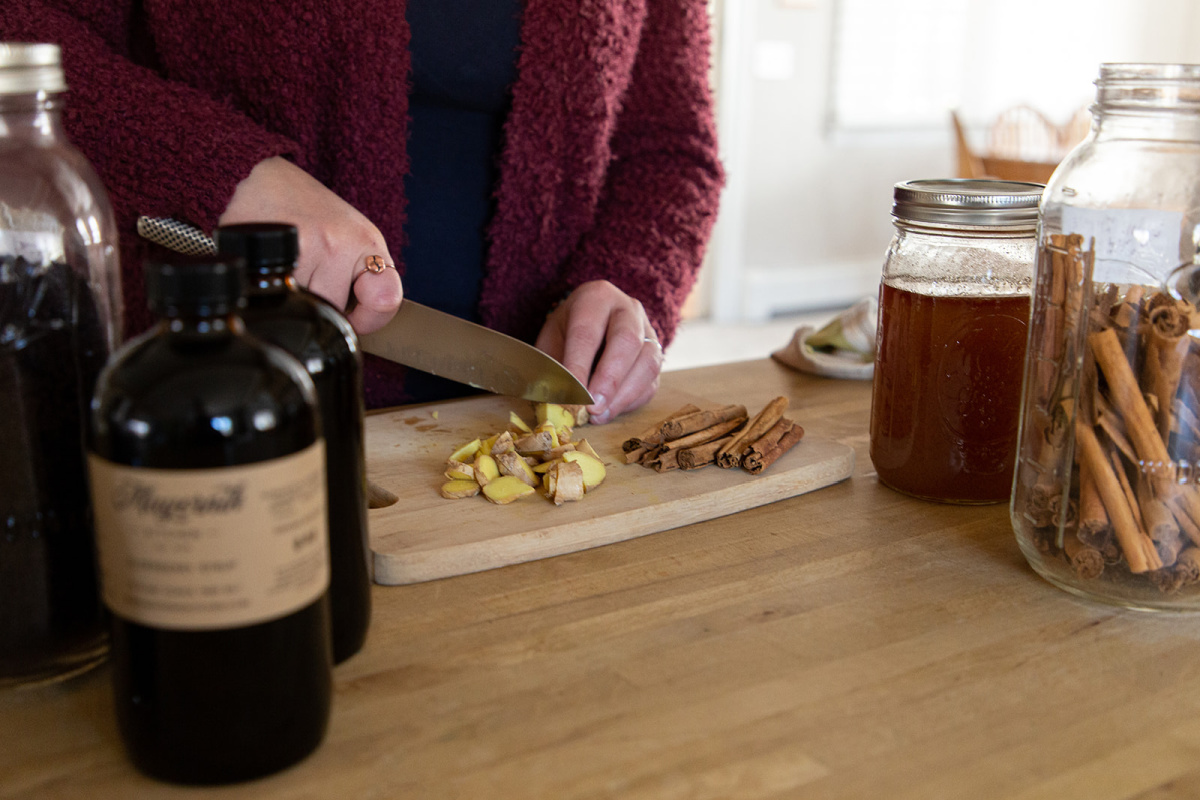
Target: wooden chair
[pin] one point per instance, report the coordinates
(970, 163)
(1022, 133)
(975, 165)
(1076, 129)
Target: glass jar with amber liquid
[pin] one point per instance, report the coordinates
(950, 347)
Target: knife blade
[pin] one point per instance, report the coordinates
(430, 340)
(454, 348)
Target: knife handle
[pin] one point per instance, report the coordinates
(177, 236)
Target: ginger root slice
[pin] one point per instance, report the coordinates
(516, 466)
(455, 490)
(564, 483)
(506, 489)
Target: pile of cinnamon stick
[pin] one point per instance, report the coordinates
(693, 437)
(1121, 421)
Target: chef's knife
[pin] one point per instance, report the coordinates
(428, 339)
(450, 347)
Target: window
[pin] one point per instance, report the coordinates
(904, 64)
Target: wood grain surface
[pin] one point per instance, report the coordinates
(845, 643)
(425, 536)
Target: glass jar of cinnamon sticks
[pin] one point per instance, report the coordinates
(1106, 497)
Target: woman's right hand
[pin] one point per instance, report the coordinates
(335, 239)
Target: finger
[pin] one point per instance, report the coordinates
(377, 297)
(582, 340)
(550, 341)
(638, 385)
(622, 348)
(335, 276)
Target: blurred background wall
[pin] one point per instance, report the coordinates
(824, 105)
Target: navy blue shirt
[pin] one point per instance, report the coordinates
(464, 56)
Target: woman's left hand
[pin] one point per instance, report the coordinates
(599, 319)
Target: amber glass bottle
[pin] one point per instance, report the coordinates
(207, 467)
(281, 312)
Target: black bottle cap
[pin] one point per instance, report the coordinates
(209, 286)
(267, 247)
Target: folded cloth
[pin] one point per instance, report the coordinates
(843, 348)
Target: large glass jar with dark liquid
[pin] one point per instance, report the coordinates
(59, 319)
(950, 348)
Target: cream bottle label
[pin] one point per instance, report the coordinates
(202, 549)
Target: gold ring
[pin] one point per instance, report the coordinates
(376, 265)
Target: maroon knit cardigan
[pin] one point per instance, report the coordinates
(609, 167)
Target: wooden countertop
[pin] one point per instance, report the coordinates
(847, 643)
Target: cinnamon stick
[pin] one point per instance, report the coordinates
(652, 436)
(783, 436)
(1115, 503)
(1094, 528)
(715, 431)
(1185, 572)
(663, 461)
(679, 427)
(730, 455)
(1086, 561)
(636, 455)
(1187, 567)
(702, 455)
(1127, 398)
(1166, 346)
(1143, 433)
(1160, 524)
(1148, 550)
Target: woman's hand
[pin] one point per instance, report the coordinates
(600, 319)
(335, 239)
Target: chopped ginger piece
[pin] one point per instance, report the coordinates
(519, 424)
(565, 482)
(458, 471)
(593, 468)
(466, 452)
(506, 489)
(486, 469)
(512, 464)
(455, 490)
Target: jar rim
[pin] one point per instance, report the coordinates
(1148, 70)
(1148, 87)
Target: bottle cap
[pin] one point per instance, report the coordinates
(203, 286)
(266, 247)
(30, 68)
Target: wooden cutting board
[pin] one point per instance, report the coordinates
(424, 536)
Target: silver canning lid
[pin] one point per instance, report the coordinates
(30, 68)
(968, 202)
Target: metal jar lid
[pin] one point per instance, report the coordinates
(968, 202)
(30, 68)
